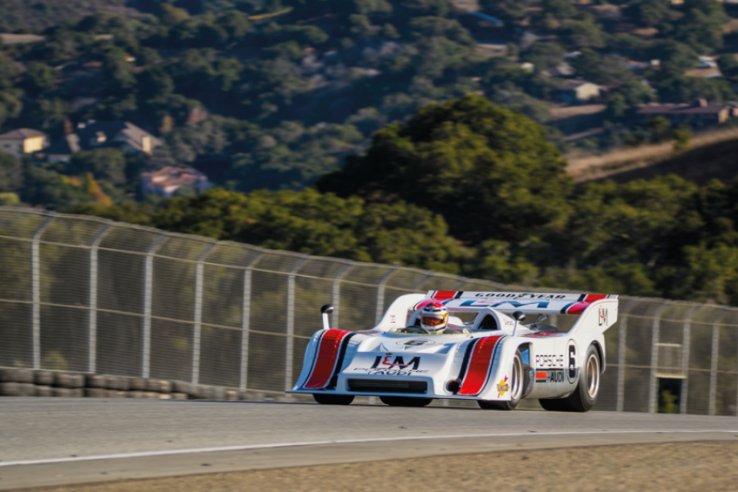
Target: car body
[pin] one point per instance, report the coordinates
(493, 357)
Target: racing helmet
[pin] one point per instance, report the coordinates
(433, 316)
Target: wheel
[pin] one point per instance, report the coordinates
(405, 401)
(585, 396)
(516, 388)
(553, 405)
(324, 399)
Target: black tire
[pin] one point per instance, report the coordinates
(405, 401)
(554, 405)
(43, 378)
(517, 383)
(585, 395)
(324, 399)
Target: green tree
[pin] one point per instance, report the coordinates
(545, 55)
(106, 164)
(488, 171)
(39, 77)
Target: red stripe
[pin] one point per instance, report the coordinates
(594, 297)
(481, 360)
(541, 375)
(444, 294)
(330, 345)
(577, 308)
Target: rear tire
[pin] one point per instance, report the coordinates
(333, 399)
(587, 391)
(405, 401)
(516, 388)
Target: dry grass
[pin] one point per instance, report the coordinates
(589, 168)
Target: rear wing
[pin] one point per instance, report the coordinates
(509, 302)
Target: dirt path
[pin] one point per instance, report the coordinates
(650, 467)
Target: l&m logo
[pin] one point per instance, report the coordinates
(398, 363)
(603, 316)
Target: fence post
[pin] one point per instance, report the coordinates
(336, 294)
(92, 315)
(686, 341)
(147, 294)
(197, 329)
(380, 292)
(290, 348)
(654, 386)
(622, 339)
(246, 319)
(714, 363)
(36, 290)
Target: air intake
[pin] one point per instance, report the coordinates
(384, 386)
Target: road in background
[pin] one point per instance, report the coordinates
(48, 441)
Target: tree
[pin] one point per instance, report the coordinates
(488, 171)
(107, 165)
(579, 34)
(508, 11)
(545, 55)
(728, 65)
(659, 128)
(308, 222)
(39, 77)
(11, 173)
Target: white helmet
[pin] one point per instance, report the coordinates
(433, 316)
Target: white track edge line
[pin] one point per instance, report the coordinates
(248, 447)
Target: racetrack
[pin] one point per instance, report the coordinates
(50, 441)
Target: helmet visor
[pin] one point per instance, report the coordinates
(432, 320)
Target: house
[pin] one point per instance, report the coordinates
(165, 182)
(563, 70)
(578, 91)
(101, 134)
(697, 113)
(22, 141)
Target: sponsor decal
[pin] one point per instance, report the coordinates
(419, 341)
(550, 361)
(514, 304)
(549, 376)
(502, 387)
(571, 372)
(392, 319)
(603, 316)
(387, 366)
(513, 295)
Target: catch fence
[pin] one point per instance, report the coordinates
(85, 294)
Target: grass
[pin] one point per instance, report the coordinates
(656, 159)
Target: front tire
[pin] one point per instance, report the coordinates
(588, 389)
(405, 401)
(324, 399)
(516, 388)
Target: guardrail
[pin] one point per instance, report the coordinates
(99, 297)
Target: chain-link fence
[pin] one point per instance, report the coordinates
(89, 295)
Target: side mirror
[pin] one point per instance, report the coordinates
(519, 316)
(325, 311)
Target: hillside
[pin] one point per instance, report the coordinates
(35, 16)
(711, 155)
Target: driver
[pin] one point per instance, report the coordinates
(434, 317)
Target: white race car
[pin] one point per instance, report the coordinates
(466, 346)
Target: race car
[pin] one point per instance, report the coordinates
(492, 347)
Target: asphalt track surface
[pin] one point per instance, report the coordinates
(54, 441)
